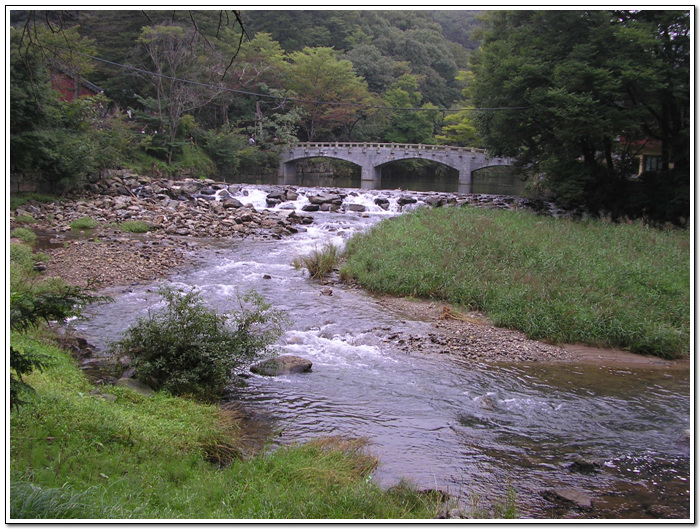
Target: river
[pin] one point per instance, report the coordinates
(471, 430)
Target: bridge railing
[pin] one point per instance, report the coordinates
(400, 146)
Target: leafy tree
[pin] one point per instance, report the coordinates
(317, 75)
(33, 303)
(170, 54)
(370, 64)
(31, 102)
(188, 349)
(459, 128)
(581, 81)
(409, 126)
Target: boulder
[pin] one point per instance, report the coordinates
(568, 496)
(382, 202)
(135, 385)
(325, 199)
(584, 466)
(282, 365)
(356, 207)
(405, 199)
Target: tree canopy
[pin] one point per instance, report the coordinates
(574, 95)
(587, 88)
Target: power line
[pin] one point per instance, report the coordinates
(284, 98)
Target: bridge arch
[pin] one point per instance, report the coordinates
(372, 156)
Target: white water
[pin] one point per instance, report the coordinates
(468, 429)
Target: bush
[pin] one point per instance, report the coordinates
(31, 304)
(25, 234)
(189, 349)
(134, 226)
(85, 223)
(320, 262)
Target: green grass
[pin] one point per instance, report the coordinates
(75, 455)
(594, 282)
(319, 263)
(25, 219)
(24, 234)
(84, 223)
(19, 199)
(134, 226)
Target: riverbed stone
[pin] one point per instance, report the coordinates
(282, 365)
(135, 385)
(568, 496)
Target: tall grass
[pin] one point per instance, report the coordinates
(319, 263)
(74, 454)
(594, 282)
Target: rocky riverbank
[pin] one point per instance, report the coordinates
(177, 213)
(180, 215)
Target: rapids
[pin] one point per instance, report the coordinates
(471, 430)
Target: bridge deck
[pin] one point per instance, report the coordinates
(402, 146)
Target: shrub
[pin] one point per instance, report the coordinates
(25, 234)
(25, 219)
(320, 262)
(134, 226)
(85, 223)
(189, 349)
(31, 304)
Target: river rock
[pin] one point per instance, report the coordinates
(382, 202)
(584, 466)
(282, 365)
(105, 396)
(356, 207)
(135, 385)
(568, 496)
(325, 199)
(406, 199)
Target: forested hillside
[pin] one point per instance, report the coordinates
(580, 98)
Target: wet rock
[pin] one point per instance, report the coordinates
(568, 496)
(231, 202)
(135, 385)
(282, 365)
(382, 202)
(106, 396)
(406, 199)
(324, 199)
(584, 466)
(311, 207)
(356, 207)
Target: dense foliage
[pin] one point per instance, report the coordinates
(187, 348)
(34, 301)
(574, 95)
(589, 90)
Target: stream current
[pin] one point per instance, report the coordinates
(472, 430)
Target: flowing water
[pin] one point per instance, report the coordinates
(471, 430)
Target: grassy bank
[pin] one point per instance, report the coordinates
(594, 282)
(76, 455)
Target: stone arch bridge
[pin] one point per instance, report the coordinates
(371, 157)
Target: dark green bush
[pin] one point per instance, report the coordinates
(31, 304)
(188, 349)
